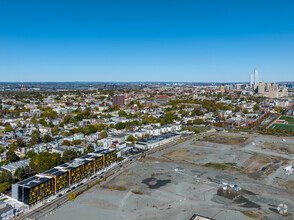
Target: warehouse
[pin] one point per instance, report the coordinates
(33, 190)
(155, 141)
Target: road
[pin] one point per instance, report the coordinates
(48, 207)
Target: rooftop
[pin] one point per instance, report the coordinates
(155, 139)
(34, 181)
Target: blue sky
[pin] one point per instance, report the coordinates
(146, 40)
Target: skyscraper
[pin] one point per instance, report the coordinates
(251, 80)
(256, 82)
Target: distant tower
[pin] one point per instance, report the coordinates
(251, 80)
(118, 99)
(256, 82)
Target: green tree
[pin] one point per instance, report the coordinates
(245, 111)
(69, 155)
(8, 128)
(67, 119)
(55, 130)
(256, 107)
(76, 142)
(4, 187)
(122, 113)
(44, 161)
(11, 156)
(2, 149)
(120, 126)
(66, 143)
(5, 176)
(90, 148)
(47, 138)
(72, 196)
(103, 134)
(20, 173)
(237, 109)
(131, 138)
(90, 129)
(36, 136)
(31, 153)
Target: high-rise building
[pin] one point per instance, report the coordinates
(256, 82)
(118, 100)
(251, 80)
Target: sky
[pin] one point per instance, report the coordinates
(146, 40)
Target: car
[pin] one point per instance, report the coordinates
(59, 195)
(120, 165)
(68, 191)
(73, 187)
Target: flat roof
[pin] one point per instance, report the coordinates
(155, 139)
(34, 181)
(54, 172)
(104, 151)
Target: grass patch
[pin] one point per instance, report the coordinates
(288, 184)
(120, 159)
(281, 126)
(180, 154)
(119, 188)
(253, 215)
(225, 139)
(223, 166)
(290, 120)
(138, 192)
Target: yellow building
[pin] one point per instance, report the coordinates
(34, 189)
(61, 178)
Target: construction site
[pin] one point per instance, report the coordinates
(219, 175)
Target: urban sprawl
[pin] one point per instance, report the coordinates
(53, 138)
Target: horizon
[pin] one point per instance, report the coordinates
(146, 41)
(143, 82)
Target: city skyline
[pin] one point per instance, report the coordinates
(146, 42)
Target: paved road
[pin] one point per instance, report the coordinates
(48, 207)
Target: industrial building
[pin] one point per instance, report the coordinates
(155, 141)
(41, 186)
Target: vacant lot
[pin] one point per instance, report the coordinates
(283, 148)
(180, 154)
(261, 164)
(177, 182)
(287, 184)
(225, 139)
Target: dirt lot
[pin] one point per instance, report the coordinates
(260, 162)
(282, 148)
(185, 154)
(287, 184)
(185, 179)
(225, 139)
